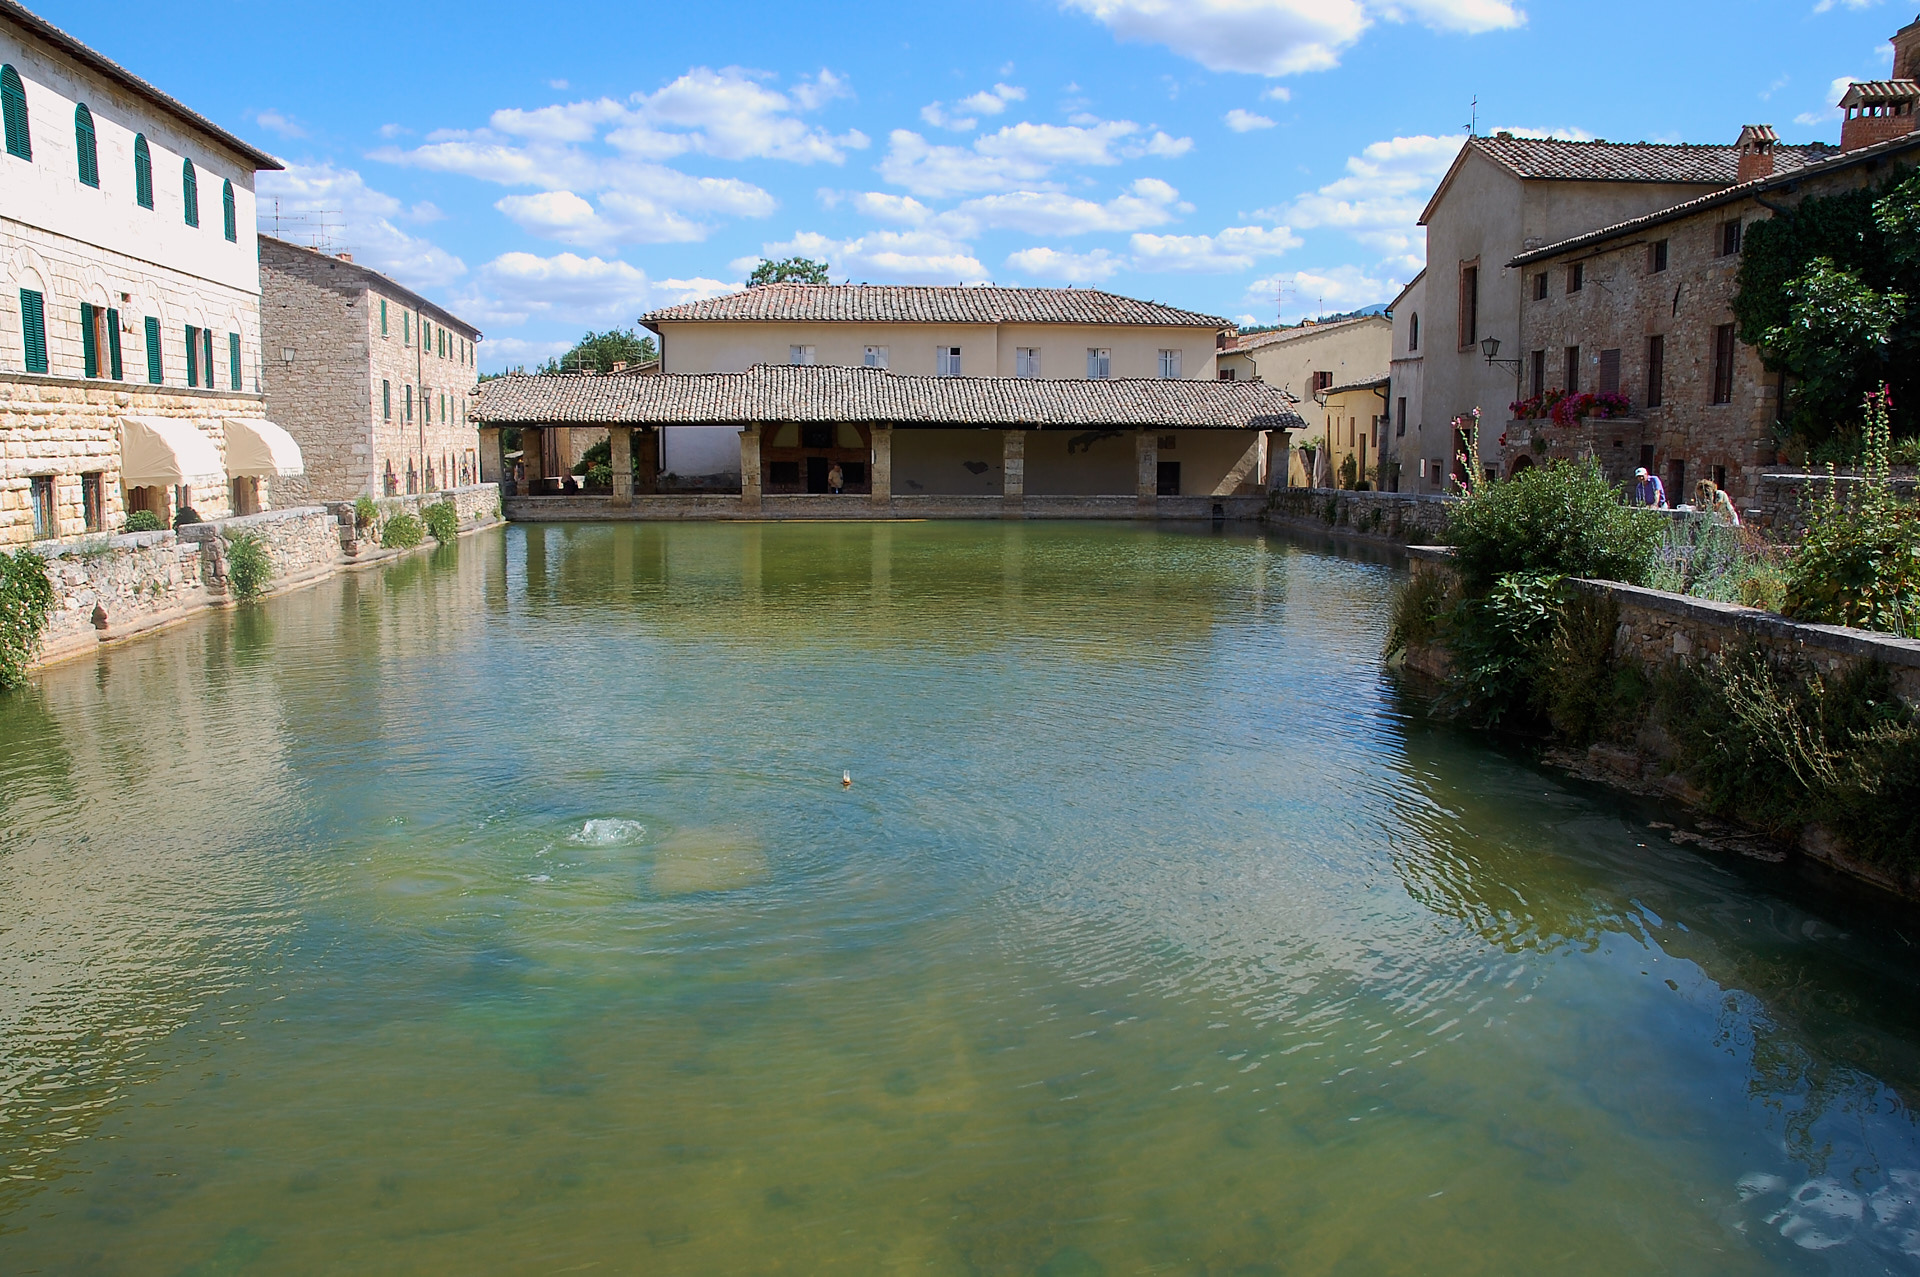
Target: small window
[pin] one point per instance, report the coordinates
(1400, 418)
(1657, 256)
(1576, 277)
(93, 500)
(1169, 365)
(1228, 374)
(33, 328)
(386, 400)
(426, 335)
(1723, 356)
(1469, 324)
(1729, 239)
(13, 106)
(874, 357)
(383, 317)
(156, 372)
(233, 360)
(142, 171)
(229, 214)
(1413, 332)
(409, 402)
(1540, 287)
(1099, 363)
(1322, 381)
(190, 192)
(1572, 385)
(1656, 371)
(1538, 360)
(947, 361)
(802, 356)
(1609, 372)
(193, 355)
(86, 146)
(44, 523)
(1026, 361)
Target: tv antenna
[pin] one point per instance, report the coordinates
(1473, 117)
(317, 228)
(1283, 290)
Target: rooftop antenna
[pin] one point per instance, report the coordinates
(1473, 117)
(316, 227)
(1282, 292)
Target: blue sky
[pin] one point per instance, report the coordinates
(543, 172)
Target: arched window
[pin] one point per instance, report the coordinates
(232, 217)
(13, 106)
(190, 192)
(142, 171)
(86, 146)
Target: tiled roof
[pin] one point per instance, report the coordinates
(1832, 164)
(1879, 92)
(779, 392)
(106, 67)
(1256, 341)
(891, 304)
(1551, 159)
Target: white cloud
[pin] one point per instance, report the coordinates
(1380, 199)
(580, 291)
(1278, 93)
(1244, 121)
(559, 85)
(278, 123)
(1168, 148)
(1831, 112)
(1282, 37)
(963, 116)
(913, 257)
(1060, 267)
(1148, 202)
(1828, 6)
(1233, 249)
(357, 218)
(649, 205)
(1321, 291)
(1017, 155)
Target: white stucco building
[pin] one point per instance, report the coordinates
(131, 294)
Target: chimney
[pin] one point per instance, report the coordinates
(619, 365)
(1881, 110)
(1755, 148)
(345, 257)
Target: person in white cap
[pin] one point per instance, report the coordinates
(1648, 490)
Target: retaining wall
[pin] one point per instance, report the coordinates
(590, 508)
(1400, 518)
(1781, 506)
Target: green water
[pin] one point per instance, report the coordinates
(504, 912)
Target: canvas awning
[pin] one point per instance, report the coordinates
(157, 452)
(257, 447)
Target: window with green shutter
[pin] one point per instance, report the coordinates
(386, 400)
(190, 192)
(383, 317)
(193, 355)
(231, 214)
(89, 344)
(142, 171)
(233, 359)
(13, 108)
(113, 345)
(86, 145)
(406, 328)
(206, 354)
(156, 372)
(409, 390)
(33, 327)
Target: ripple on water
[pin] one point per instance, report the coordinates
(609, 832)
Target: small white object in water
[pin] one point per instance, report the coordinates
(609, 833)
(846, 780)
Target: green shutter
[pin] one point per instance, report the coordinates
(206, 354)
(89, 347)
(406, 328)
(233, 357)
(190, 192)
(386, 398)
(142, 171)
(33, 327)
(86, 146)
(13, 107)
(383, 317)
(113, 344)
(156, 372)
(230, 213)
(193, 356)
(409, 390)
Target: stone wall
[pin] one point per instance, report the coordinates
(1781, 507)
(478, 506)
(679, 506)
(66, 427)
(1402, 518)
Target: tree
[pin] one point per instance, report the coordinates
(601, 351)
(792, 270)
(1836, 336)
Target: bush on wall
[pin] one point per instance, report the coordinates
(26, 605)
(442, 520)
(402, 532)
(248, 566)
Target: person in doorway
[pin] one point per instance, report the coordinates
(1648, 490)
(836, 479)
(1711, 498)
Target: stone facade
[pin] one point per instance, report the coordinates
(371, 379)
(66, 429)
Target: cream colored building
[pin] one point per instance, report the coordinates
(1309, 361)
(131, 294)
(1421, 451)
(1049, 333)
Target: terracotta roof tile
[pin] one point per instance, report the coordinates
(1551, 159)
(778, 392)
(895, 304)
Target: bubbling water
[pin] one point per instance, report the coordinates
(609, 832)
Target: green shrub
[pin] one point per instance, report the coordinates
(1560, 519)
(1859, 563)
(1711, 560)
(1578, 685)
(184, 515)
(402, 532)
(1497, 640)
(1420, 609)
(26, 605)
(365, 512)
(442, 520)
(1906, 452)
(142, 521)
(248, 566)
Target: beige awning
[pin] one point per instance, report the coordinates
(157, 452)
(257, 447)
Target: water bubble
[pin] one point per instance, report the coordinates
(610, 833)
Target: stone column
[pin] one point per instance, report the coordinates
(882, 467)
(1146, 450)
(492, 466)
(750, 469)
(533, 456)
(1278, 459)
(620, 440)
(1013, 474)
(649, 441)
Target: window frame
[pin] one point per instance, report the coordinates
(1725, 355)
(1659, 257)
(45, 526)
(156, 351)
(1413, 333)
(1576, 277)
(386, 400)
(1572, 370)
(33, 331)
(189, 192)
(86, 145)
(229, 212)
(802, 356)
(1656, 396)
(875, 357)
(233, 361)
(1099, 363)
(13, 110)
(1026, 362)
(1468, 320)
(947, 361)
(142, 171)
(1170, 364)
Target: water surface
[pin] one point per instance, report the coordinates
(504, 912)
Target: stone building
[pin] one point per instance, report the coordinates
(1309, 361)
(1418, 461)
(131, 295)
(371, 378)
(1047, 333)
(1644, 309)
(1505, 196)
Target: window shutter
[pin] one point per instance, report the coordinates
(193, 356)
(113, 344)
(156, 372)
(13, 107)
(86, 145)
(231, 216)
(206, 354)
(386, 401)
(190, 192)
(33, 328)
(89, 346)
(233, 358)
(383, 317)
(142, 171)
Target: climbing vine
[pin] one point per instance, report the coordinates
(26, 605)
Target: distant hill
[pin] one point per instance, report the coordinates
(1249, 329)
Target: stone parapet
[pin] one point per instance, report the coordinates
(1781, 506)
(679, 506)
(1398, 518)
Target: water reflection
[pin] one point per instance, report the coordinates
(502, 910)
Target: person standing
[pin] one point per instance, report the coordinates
(1648, 490)
(836, 479)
